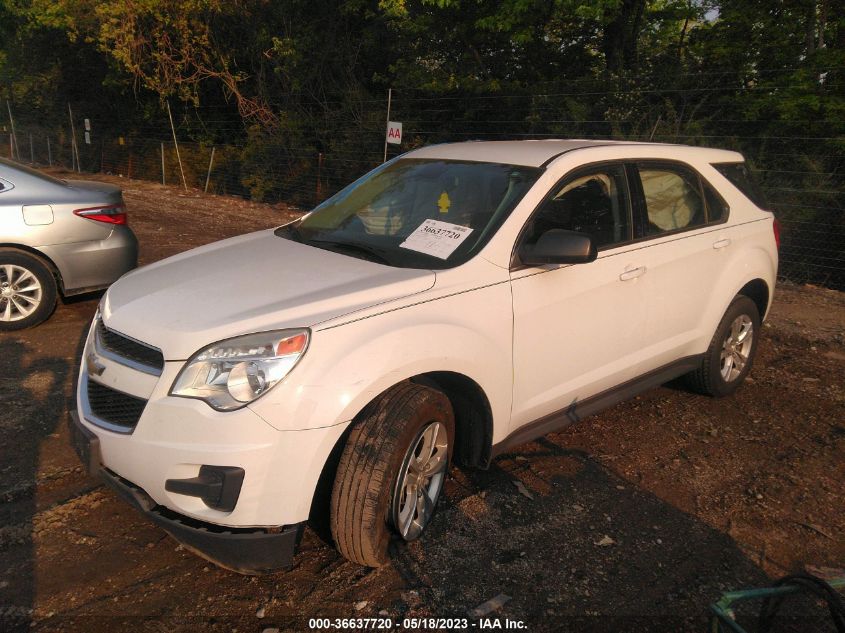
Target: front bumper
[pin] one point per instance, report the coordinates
(175, 437)
(244, 550)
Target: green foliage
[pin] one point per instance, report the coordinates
(274, 85)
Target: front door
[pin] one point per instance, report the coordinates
(578, 329)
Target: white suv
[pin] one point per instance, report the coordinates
(453, 303)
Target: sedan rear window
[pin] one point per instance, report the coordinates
(741, 178)
(13, 166)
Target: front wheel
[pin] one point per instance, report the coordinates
(391, 471)
(728, 360)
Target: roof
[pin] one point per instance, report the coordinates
(536, 153)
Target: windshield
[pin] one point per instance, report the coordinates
(415, 213)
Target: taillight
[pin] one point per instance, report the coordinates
(110, 214)
(776, 229)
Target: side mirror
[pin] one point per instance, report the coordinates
(558, 246)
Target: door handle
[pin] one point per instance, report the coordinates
(721, 243)
(633, 273)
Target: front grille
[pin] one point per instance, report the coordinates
(124, 347)
(114, 407)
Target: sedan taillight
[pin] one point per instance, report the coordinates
(776, 229)
(110, 214)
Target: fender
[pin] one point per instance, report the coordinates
(346, 367)
(756, 259)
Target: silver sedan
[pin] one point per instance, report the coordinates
(57, 236)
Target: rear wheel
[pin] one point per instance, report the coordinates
(27, 290)
(731, 353)
(391, 472)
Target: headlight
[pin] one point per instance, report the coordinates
(232, 373)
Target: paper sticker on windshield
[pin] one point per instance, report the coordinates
(436, 238)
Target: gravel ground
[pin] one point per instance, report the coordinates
(633, 520)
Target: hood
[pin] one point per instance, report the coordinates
(252, 283)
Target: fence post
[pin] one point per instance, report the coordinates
(210, 164)
(179, 158)
(162, 163)
(654, 129)
(389, 98)
(14, 137)
(49, 152)
(74, 148)
(319, 189)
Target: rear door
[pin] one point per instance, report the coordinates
(680, 226)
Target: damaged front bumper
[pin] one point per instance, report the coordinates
(244, 550)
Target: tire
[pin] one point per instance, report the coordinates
(377, 471)
(28, 290)
(718, 376)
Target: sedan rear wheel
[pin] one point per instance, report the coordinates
(27, 290)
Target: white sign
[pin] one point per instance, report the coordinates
(88, 124)
(436, 238)
(394, 132)
(87, 138)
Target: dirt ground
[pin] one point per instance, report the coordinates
(634, 520)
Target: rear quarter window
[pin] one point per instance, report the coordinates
(740, 177)
(717, 208)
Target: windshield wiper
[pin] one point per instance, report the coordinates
(354, 248)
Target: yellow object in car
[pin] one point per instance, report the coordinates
(444, 203)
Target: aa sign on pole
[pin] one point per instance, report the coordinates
(394, 132)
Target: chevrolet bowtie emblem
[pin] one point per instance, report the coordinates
(94, 365)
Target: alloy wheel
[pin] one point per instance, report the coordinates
(736, 348)
(20, 292)
(420, 480)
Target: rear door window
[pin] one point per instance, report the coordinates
(673, 197)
